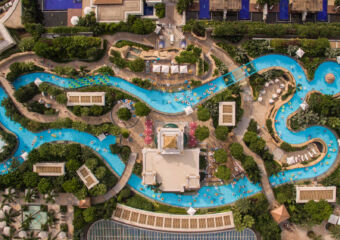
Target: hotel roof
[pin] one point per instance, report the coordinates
(305, 194)
(227, 114)
(49, 169)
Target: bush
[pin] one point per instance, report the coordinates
(183, 5)
(220, 155)
(26, 44)
(139, 202)
(137, 65)
(100, 172)
(44, 186)
(190, 55)
(198, 28)
(91, 163)
(221, 133)
(142, 109)
(201, 133)
(31, 12)
(124, 194)
(98, 190)
(223, 173)
(124, 114)
(122, 43)
(31, 179)
(105, 70)
(160, 10)
(318, 211)
(252, 127)
(19, 68)
(115, 148)
(71, 186)
(203, 114)
(72, 165)
(89, 214)
(142, 83)
(26, 93)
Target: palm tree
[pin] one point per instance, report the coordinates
(31, 195)
(50, 197)
(10, 236)
(31, 237)
(51, 238)
(28, 220)
(83, 71)
(9, 216)
(9, 197)
(51, 218)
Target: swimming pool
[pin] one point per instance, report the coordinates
(208, 196)
(55, 5)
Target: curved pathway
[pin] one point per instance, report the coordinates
(207, 196)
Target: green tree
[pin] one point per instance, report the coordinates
(243, 205)
(160, 10)
(26, 44)
(137, 65)
(201, 133)
(91, 163)
(124, 114)
(72, 165)
(236, 151)
(221, 155)
(242, 222)
(99, 189)
(142, 109)
(335, 230)
(318, 211)
(44, 185)
(183, 5)
(31, 179)
(89, 214)
(71, 185)
(203, 114)
(100, 172)
(221, 133)
(223, 173)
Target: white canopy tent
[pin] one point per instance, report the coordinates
(278, 91)
(22, 234)
(24, 156)
(174, 69)
(260, 99)
(304, 106)
(37, 82)
(156, 68)
(333, 219)
(271, 101)
(62, 235)
(7, 231)
(183, 69)
(274, 96)
(266, 84)
(282, 85)
(43, 235)
(300, 53)
(191, 211)
(338, 59)
(74, 20)
(165, 69)
(3, 224)
(188, 110)
(277, 80)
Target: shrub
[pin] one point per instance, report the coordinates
(201, 133)
(31, 179)
(124, 114)
(26, 44)
(190, 55)
(100, 172)
(252, 127)
(223, 173)
(183, 5)
(160, 10)
(236, 151)
(98, 190)
(44, 186)
(142, 83)
(105, 70)
(139, 202)
(26, 93)
(19, 68)
(142, 109)
(72, 165)
(125, 133)
(115, 148)
(89, 214)
(122, 43)
(198, 28)
(221, 133)
(137, 65)
(220, 155)
(71, 186)
(318, 211)
(203, 114)
(91, 163)
(124, 194)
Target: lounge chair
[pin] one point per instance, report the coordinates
(306, 157)
(310, 154)
(313, 150)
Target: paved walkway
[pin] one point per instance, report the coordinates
(238, 137)
(120, 184)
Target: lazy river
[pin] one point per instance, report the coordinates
(208, 196)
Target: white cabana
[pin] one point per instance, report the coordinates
(158, 29)
(338, 59)
(260, 99)
(43, 235)
(271, 82)
(191, 211)
(304, 106)
(37, 82)
(282, 86)
(278, 91)
(101, 137)
(333, 219)
(300, 53)
(24, 156)
(274, 96)
(290, 160)
(22, 234)
(7, 231)
(156, 68)
(3, 224)
(174, 69)
(271, 101)
(2, 215)
(277, 80)
(188, 110)
(74, 20)
(183, 69)
(87, 10)
(265, 12)
(266, 84)
(263, 91)
(165, 69)
(6, 208)
(62, 235)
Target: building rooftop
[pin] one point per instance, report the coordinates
(175, 172)
(87, 177)
(227, 114)
(49, 169)
(170, 140)
(85, 98)
(305, 194)
(233, 5)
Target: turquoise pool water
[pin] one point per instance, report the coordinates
(209, 196)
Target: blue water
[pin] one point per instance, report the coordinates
(244, 12)
(148, 10)
(206, 196)
(204, 9)
(53, 5)
(284, 10)
(323, 16)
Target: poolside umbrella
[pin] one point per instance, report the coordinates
(278, 91)
(304, 106)
(183, 69)
(22, 234)
(174, 69)
(266, 84)
(277, 80)
(191, 211)
(300, 53)
(148, 131)
(271, 101)
(74, 20)
(43, 235)
(156, 68)
(192, 132)
(7, 231)
(148, 123)
(282, 85)
(62, 235)
(3, 224)
(274, 96)
(148, 140)
(259, 99)
(87, 10)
